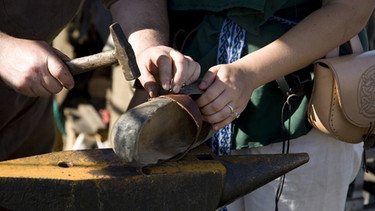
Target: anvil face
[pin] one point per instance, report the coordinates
(100, 180)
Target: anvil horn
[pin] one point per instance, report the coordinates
(247, 173)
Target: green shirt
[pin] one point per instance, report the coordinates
(260, 123)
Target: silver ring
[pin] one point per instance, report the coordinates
(231, 108)
(237, 114)
(233, 111)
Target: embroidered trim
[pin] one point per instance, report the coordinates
(231, 43)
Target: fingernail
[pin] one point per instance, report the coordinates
(202, 85)
(176, 88)
(152, 94)
(167, 85)
(70, 86)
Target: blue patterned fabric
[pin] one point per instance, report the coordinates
(231, 43)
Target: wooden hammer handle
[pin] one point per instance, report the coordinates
(88, 63)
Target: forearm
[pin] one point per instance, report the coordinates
(145, 22)
(311, 39)
(4, 38)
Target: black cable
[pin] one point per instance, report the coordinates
(285, 147)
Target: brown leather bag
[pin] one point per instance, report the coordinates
(342, 103)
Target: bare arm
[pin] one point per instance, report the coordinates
(145, 23)
(335, 23)
(323, 30)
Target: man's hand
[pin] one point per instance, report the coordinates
(32, 68)
(148, 34)
(167, 67)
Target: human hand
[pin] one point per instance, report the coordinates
(167, 67)
(33, 68)
(228, 91)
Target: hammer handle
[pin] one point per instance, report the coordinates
(88, 63)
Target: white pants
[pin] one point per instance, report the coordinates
(319, 185)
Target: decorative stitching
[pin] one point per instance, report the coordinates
(231, 43)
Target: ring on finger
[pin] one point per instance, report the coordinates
(233, 111)
(237, 114)
(231, 108)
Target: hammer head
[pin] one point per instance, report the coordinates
(124, 53)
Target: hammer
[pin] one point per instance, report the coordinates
(123, 54)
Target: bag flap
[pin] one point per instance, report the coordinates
(355, 80)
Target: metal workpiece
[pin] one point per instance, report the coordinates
(99, 180)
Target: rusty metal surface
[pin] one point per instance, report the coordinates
(99, 180)
(246, 173)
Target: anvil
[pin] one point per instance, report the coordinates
(98, 179)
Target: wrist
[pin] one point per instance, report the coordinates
(147, 38)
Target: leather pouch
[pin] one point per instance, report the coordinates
(342, 103)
